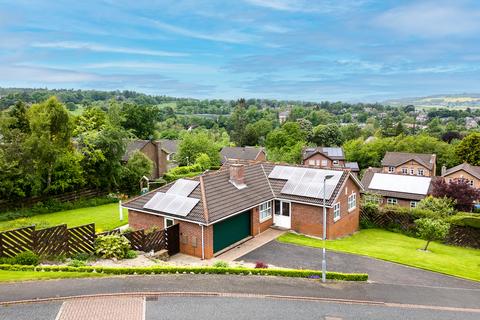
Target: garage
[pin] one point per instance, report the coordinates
(231, 230)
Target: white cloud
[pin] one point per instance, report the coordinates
(103, 48)
(230, 36)
(431, 19)
(324, 6)
(23, 73)
(157, 66)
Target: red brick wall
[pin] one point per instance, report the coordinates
(150, 150)
(261, 156)
(258, 227)
(190, 233)
(321, 157)
(401, 202)
(308, 219)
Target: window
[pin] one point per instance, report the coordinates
(371, 198)
(420, 172)
(317, 162)
(265, 211)
(335, 162)
(352, 201)
(324, 163)
(412, 171)
(168, 222)
(391, 169)
(392, 201)
(311, 162)
(170, 156)
(404, 171)
(413, 204)
(336, 211)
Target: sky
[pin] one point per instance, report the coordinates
(349, 50)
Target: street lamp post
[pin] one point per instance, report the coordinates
(324, 259)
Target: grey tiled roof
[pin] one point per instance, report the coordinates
(224, 199)
(473, 170)
(334, 153)
(241, 153)
(132, 146)
(397, 158)
(352, 166)
(170, 146)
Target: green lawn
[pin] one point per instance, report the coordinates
(105, 217)
(395, 247)
(11, 276)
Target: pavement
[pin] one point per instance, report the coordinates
(221, 307)
(379, 271)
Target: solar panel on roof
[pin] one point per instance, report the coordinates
(171, 203)
(183, 187)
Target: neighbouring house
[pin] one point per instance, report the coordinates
(419, 164)
(395, 189)
(160, 152)
(283, 116)
(328, 157)
(465, 172)
(243, 154)
(217, 210)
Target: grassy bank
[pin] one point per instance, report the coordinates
(13, 276)
(105, 217)
(395, 247)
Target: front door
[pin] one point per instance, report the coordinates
(282, 217)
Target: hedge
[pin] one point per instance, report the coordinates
(465, 219)
(193, 270)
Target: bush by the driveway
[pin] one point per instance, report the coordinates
(195, 270)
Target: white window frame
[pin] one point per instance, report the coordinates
(335, 162)
(311, 162)
(324, 163)
(404, 170)
(412, 171)
(265, 211)
(352, 202)
(317, 162)
(336, 211)
(421, 172)
(413, 204)
(392, 201)
(391, 169)
(165, 222)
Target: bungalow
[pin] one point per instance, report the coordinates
(327, 157)
(394, 189)
(405, 163)
(217, 210)
(243, 154)
(160, 152)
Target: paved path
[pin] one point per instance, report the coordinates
(293, 256)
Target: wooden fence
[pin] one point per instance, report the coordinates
(64, 197)
(60, 240)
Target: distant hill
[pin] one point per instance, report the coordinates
(462, 100)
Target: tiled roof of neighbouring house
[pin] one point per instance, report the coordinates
(473, 170)
(394, 159)
(170, 146)
(219, 198)
(240, 153)
(334, 153)
(132, 146)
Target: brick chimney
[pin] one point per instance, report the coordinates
(444, 170)
(237, 175)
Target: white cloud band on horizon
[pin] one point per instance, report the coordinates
(73, 45)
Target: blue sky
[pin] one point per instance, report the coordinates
(351, 50)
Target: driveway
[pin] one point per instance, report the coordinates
(293, 256)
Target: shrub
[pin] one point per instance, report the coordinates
(197, 270)
(77, 263)
(131, 254)
(443, 206)
(220, 264)
(26, 258)
(431, 229)
(465, 219)
(7, 260)
(203, 160)
(261, 265)
(112, 246)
